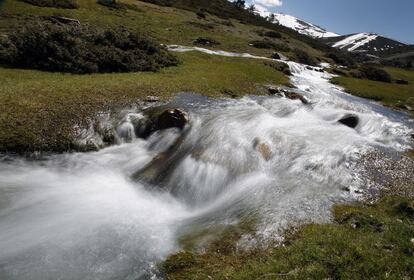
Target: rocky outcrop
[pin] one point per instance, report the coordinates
(349, 120)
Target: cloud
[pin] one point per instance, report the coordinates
(269, 3)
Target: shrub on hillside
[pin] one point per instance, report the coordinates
(115, 4)
(282, 47)
(305, 58)
(279, 66)
(267, 44)
(205, 41)
(63, 4)
(341, 58)
(79, 48)
(263, 44)
(375, 74)
(272, 34)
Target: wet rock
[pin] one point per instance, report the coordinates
(407, 107)
(287, 93)
(64, 20)
(263, 149)
(401, 82)
(172, 118)
(296, 96)
(152, 98)
(349, 120)
(159, 118)
(275, 55)
(274, 90)
(163, 164)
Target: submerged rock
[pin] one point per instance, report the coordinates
(349, 120)
(163, 164)
(296, 96)
(262, 148)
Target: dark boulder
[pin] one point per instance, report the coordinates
(349, 120)
(172, 118)
(159, 118)
(275, 55)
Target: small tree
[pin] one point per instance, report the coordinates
(240, 4)
(271, 18)
(251, 9)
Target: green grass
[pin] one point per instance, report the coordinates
(394, 95)
(364, 242)
(166, 24)
(39, 109)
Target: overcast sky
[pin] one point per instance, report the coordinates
(394, 19)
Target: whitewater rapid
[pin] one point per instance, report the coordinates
(83, 216)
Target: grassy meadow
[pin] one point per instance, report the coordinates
(390, 94)
(39, 109)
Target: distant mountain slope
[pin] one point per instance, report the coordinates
(365, 42)
(302, 27)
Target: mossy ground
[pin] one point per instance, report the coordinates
(390, 94)
(364, 242)
(39, 109)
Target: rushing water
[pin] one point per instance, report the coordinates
(82, 216)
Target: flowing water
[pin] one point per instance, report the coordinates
(84, 216)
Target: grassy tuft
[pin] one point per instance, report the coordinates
(364, 242)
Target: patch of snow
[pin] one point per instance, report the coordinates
(355, 41)
(302, 27)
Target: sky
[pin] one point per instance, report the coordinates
(394, 19)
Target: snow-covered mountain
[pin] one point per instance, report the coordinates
(302, 27)
(371, 43)
(364, 42)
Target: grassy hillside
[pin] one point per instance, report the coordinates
(364, 242)
(390, 94)
(39, 109)
(166, 24)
